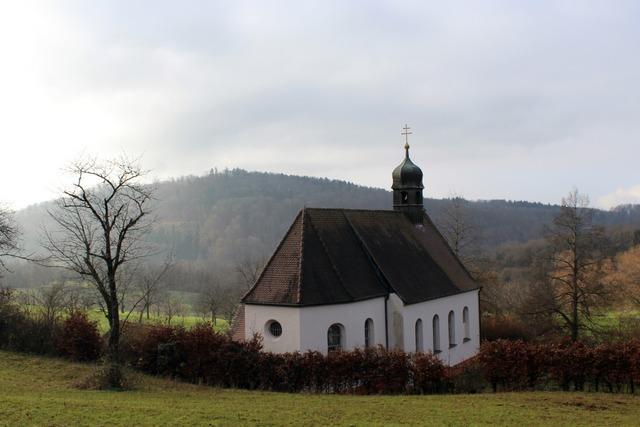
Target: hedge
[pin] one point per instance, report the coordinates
(73, 337)
(201, 355)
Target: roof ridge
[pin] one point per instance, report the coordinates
(353, 210)
(333, 266)
(273, 255)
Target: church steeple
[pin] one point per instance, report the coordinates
(407, 186)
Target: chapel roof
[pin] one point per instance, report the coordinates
(332, 256)
(236, 331)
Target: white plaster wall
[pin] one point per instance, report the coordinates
(257, 316)
(315, 322)
(395, 308)
(442, 306)
(306, 328)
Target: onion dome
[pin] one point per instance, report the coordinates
(407, 174)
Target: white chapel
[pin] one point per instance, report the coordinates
(345, 278)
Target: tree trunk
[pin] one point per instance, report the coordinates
(114, 371)
(575, 325)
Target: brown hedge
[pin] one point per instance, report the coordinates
(200, 355)
(516, 365)
(78, 338)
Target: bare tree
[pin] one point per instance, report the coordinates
(248, 270)
(172, 306)
(78, 298)
(230, 302)
(149, 282)
(100, 222)
(569, 273)
(51, 301)
(9, 233)
(211, 301)
(460, 231)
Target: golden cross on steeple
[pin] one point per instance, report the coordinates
(406, 134)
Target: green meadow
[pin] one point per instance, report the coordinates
(187, 318)
(179, 320)
(43, 391)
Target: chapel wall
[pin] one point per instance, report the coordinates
(257, 318)
(306, 328)
(426, 311)
(315, 322)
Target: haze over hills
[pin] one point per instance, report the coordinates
(225, 217)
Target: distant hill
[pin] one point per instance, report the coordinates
(223, 217)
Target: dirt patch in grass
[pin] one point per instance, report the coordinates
(587, 406)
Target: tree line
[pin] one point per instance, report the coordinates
(566, 283)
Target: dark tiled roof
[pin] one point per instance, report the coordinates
(279, 282)
(332, 256)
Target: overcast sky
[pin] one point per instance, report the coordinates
(514, 100)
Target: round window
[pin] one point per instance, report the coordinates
(275, 328)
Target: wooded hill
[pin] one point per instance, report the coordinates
(226, 217)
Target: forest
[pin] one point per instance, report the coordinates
(217, 230)
(226, 217)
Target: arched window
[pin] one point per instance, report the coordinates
(335, 337)
(404, 196)
(368, 333)
(465, 322)
(452, 329)
(436, 334)
(419, 345)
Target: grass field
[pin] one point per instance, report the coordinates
(41, 391)
(611, 319)
(187, 320)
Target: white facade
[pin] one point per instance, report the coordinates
(466, 336)
(306, 328)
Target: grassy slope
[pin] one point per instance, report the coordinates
(40, 391)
